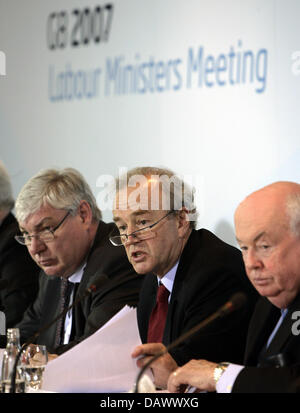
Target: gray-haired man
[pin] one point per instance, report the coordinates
(192, 272)
(61, 226)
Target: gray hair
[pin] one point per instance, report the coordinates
(6, 197)
(61, 189)
(293, 210)
(178, 192)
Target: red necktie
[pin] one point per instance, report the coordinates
(158, 316)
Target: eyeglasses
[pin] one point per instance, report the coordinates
(141, 234)
(47, 235)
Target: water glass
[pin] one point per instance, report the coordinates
(33, 362)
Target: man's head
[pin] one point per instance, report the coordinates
(267, 227)
(58, 217)
(6, 198)
(154, 204)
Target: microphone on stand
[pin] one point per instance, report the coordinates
(233, 304)
(100, 280)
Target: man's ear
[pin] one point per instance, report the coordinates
(183, 221)
(85, 212)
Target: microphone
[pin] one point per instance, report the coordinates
(234, 303)
(3, 284)
(99, 280)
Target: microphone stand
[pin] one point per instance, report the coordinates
(91, 289)
(227, 308)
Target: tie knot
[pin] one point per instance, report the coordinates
(162, 293)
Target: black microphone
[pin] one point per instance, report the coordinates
(233, 304)
(3, 284)
(99, 280)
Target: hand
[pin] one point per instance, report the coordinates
(195, 373)
(52, 356)
(161, 368)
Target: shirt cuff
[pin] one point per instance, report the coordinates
(226, 381)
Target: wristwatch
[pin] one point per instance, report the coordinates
(219, 370)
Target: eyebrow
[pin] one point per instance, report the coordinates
(261, 234)
(39, 225)
(135, 214)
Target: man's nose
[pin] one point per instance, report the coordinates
(131, 239)
(36, 245)
(252, 260)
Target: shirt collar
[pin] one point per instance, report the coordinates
(168, 279)
(76, 277)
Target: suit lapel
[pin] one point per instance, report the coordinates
(262, 324)
(92, 260)
(284, 332)
(280, 337)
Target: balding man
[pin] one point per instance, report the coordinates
(268, 231)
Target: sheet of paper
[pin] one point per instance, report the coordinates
(101, 363)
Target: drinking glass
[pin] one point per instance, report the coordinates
(33, 362)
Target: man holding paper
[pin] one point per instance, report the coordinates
(191, 272)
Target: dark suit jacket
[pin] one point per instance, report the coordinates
(209, 272)
(19, 269)
(97, 308)
(284, 343)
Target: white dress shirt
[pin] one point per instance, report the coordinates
(168, 279)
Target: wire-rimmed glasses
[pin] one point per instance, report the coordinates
(47, 235)
(141, 234)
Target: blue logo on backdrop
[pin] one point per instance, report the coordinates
(199, 70)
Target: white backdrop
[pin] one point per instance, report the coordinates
(209, 89)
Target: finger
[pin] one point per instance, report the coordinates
(147, 349)
(174, 383)
(138, 351)
(142, 361)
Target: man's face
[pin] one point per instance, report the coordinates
(271, 252)
(63, 255)
(159, 253)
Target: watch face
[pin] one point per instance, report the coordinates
(219, 370)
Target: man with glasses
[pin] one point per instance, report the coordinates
(62, 229)
(191, 272)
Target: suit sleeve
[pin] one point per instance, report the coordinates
(22, 274)
(268, 380)
(31, 321)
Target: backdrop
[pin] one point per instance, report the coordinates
(209, 89)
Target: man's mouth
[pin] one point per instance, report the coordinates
(45, 263)
(262, 281)
(138, 256)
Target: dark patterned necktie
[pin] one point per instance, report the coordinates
(65, 293)
(158, 316)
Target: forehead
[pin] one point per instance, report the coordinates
(44, 214)
(254, 220)
(144, 194)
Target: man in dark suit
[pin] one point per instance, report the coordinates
(198, 271)
(18, 272)
(268, 231)
(61, 226)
